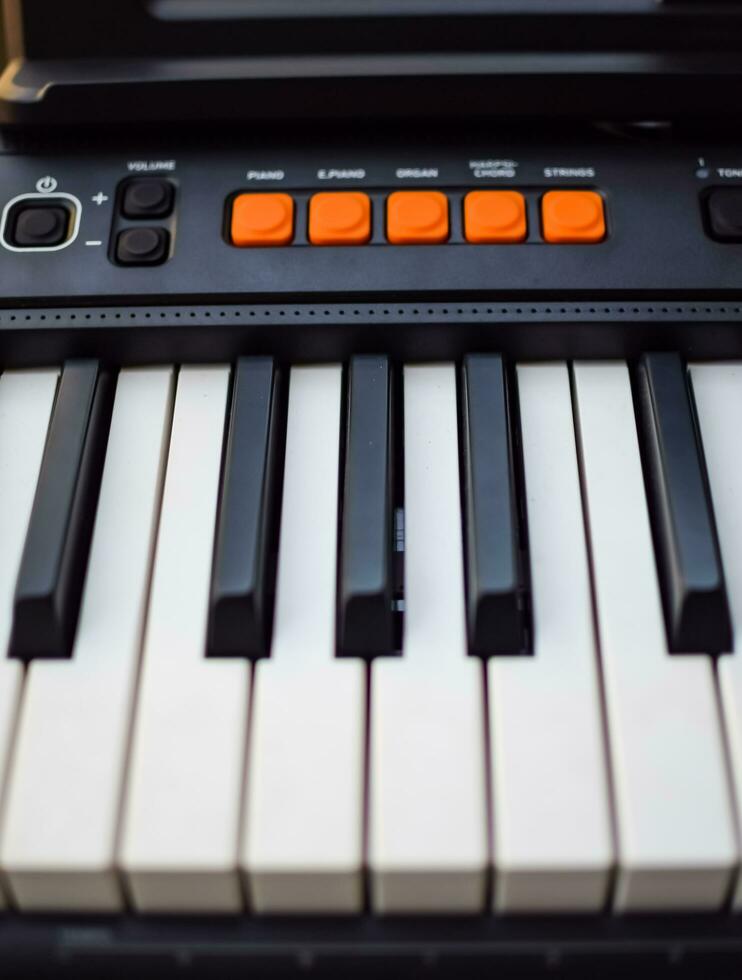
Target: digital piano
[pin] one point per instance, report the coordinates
(371, 489)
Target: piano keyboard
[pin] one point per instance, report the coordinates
(437, 638)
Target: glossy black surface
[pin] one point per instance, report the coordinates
(244, 567)
(688, 560)
(52, 570)
(493, 572)
(365, 618)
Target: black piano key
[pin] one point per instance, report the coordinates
(366, 618)
(243, 578)
(493, 568)
(52, 570)
(688, 560)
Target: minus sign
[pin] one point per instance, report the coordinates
(93, 243)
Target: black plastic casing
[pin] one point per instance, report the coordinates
(84, 61)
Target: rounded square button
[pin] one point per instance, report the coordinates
(724, 206)
(148, 197)
(142, 246)
(417, 218)
(262, 219)
(572, 217)
(494, 216)
(39, 225)
(339, 218)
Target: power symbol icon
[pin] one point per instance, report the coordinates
(46, 185)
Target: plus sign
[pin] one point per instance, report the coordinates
(99, 198)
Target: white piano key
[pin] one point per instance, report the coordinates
(428, 843)
(63, 800)
(181, 813)
(676, 836)
(717, 391)
(303, 845)
(26, 402)
(551, 829)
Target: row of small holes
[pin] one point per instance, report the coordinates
(504, 311)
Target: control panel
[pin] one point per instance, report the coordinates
(607, 219)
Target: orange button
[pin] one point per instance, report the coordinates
(339, 218)
(416, 217)
(262, 219)
(573, 216)
(494, 216)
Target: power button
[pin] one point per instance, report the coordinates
(40, 225)
(40, 222)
